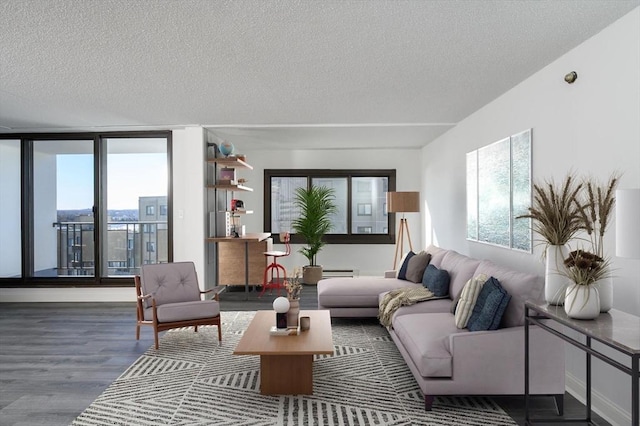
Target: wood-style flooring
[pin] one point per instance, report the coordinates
(56, 358)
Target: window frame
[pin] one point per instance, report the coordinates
(309, 174)
(27, 278)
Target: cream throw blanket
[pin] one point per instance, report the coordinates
(401, 297)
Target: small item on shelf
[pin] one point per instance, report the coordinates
(227, 173)
(226, 182)
(275, 331)
(237, 204)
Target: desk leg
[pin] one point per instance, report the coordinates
(588, 417)
(246, 270)
(526, 366)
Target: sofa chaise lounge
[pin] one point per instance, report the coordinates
(445, 359)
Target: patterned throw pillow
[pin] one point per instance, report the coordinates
(468, 298)
(417, 265)
(490, 306)
(404, 264)
(436, 280)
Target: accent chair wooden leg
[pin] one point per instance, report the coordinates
(559, 399)
(195, 327)
(428, 402)
(155, 335)
(220, 331)
(138, 331)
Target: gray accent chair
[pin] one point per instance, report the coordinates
(168, 296)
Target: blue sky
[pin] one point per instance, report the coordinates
(129, 176)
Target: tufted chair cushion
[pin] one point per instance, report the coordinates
(170, 282)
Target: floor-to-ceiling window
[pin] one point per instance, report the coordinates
(83, 209)
(137, 189)
(10, 235)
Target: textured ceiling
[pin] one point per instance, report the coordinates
(281, 73)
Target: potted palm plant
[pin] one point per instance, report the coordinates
(316, 206)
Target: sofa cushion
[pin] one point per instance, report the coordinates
(428, 306)
(521, 286)
(356, 292)
(426, 340)
(461, 268)
(404, 264)
(467, 300)
(416, 266)
(436, 280)
(490, 306)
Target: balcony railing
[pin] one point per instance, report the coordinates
(127, 245)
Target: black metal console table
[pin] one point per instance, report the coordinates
(615, 329)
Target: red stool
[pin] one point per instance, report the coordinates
(274, 267)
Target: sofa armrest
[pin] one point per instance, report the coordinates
(482, 356)
(390, 274)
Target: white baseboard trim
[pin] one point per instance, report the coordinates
(605, 408)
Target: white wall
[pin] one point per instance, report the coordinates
(368, 259)
(188, 198)
(10, 257)
(590, 127)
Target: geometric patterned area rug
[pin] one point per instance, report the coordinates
(191, 380)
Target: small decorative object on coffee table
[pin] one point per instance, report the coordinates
(294, 288)
(281, 306)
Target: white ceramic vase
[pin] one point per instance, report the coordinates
(605, 292)
(555, 279)
(582, 302)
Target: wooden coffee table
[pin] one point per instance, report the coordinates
(286, 362)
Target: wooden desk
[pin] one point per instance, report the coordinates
(615, 329)
(286, 362)
(240, 260)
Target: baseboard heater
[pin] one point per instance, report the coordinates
(332, 273)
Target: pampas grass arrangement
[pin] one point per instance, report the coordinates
(595, 208)
(556, 215)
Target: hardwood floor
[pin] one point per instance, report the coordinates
(56, 358)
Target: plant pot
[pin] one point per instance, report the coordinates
(311, 274)
(605, 293)
(555, 280)
(582, 302)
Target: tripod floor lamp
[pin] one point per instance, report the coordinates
(402, 202)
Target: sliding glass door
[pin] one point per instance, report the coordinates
(63, 208)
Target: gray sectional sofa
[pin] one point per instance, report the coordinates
(446, 360)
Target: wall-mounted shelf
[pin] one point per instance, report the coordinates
(230, 162)
(234, 212)
(231, 187)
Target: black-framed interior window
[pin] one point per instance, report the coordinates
(360, 196)
(78, 203)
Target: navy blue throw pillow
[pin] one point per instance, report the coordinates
(490, 306)
(402, 273)
(436, 280)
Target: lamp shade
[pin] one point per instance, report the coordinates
(403, 202)
(628, 223)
